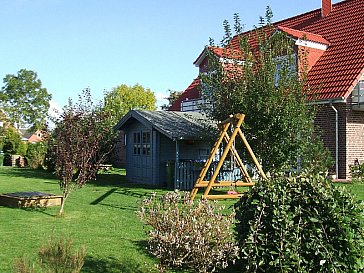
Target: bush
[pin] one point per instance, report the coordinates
(300, 224)
(36, 154)
(11, 141)
(189, 236)
(357, 172)
(55, 256)
(59, 257)
(22, 148)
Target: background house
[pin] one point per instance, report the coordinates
(31, 137)
(165, 148)
(333, 38)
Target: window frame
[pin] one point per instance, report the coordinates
(141, 143)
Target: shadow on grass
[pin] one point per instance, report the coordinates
(110, 265)
(120, 191)
(49, 211)
(114, 178)
(26, 173)
(46, 211)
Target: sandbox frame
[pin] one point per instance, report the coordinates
(30, 199)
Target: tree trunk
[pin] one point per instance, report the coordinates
(61, 210)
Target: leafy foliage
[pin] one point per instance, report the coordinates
(357, 172)
(24, 100)
(263, 82)
(173, 96)
(300, 224)
(12, 143)
(123, 98)
(81, 143)
(36, 154)
(188, 235)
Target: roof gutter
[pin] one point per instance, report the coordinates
(329, 101)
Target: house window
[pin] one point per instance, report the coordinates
(141, 143)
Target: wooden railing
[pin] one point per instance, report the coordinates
(187, 172)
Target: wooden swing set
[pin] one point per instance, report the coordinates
(233, 123)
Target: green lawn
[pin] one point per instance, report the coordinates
(101, 216)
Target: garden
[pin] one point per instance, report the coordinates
(101, 217)
(292, 220)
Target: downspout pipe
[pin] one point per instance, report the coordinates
(336, 140)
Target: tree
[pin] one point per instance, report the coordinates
(123, 98)
(278, 120)
(79, 143)
(24, 100)
(12, 143)
(173, 96)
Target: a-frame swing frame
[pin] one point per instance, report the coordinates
(235, 122)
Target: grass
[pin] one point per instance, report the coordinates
(101, 216)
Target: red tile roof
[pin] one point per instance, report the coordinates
(304, 35)
(338, 69)
(192, 92)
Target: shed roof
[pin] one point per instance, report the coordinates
(174, 125)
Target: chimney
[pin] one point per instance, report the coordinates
(326, 7)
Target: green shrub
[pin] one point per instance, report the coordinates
(22, 148)
(11, 141)
(300, 224)
(36, 154)
(188, 236)
(357, 172)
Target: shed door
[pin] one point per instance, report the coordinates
(141, 165)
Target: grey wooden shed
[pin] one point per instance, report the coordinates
(165, 148)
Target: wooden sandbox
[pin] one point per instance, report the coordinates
(30, 199)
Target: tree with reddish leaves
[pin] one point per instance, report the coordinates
(81, 143)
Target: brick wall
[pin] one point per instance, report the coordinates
(355, 136)
(351, 134)
(325, 122)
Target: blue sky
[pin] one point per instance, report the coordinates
(74, 44)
